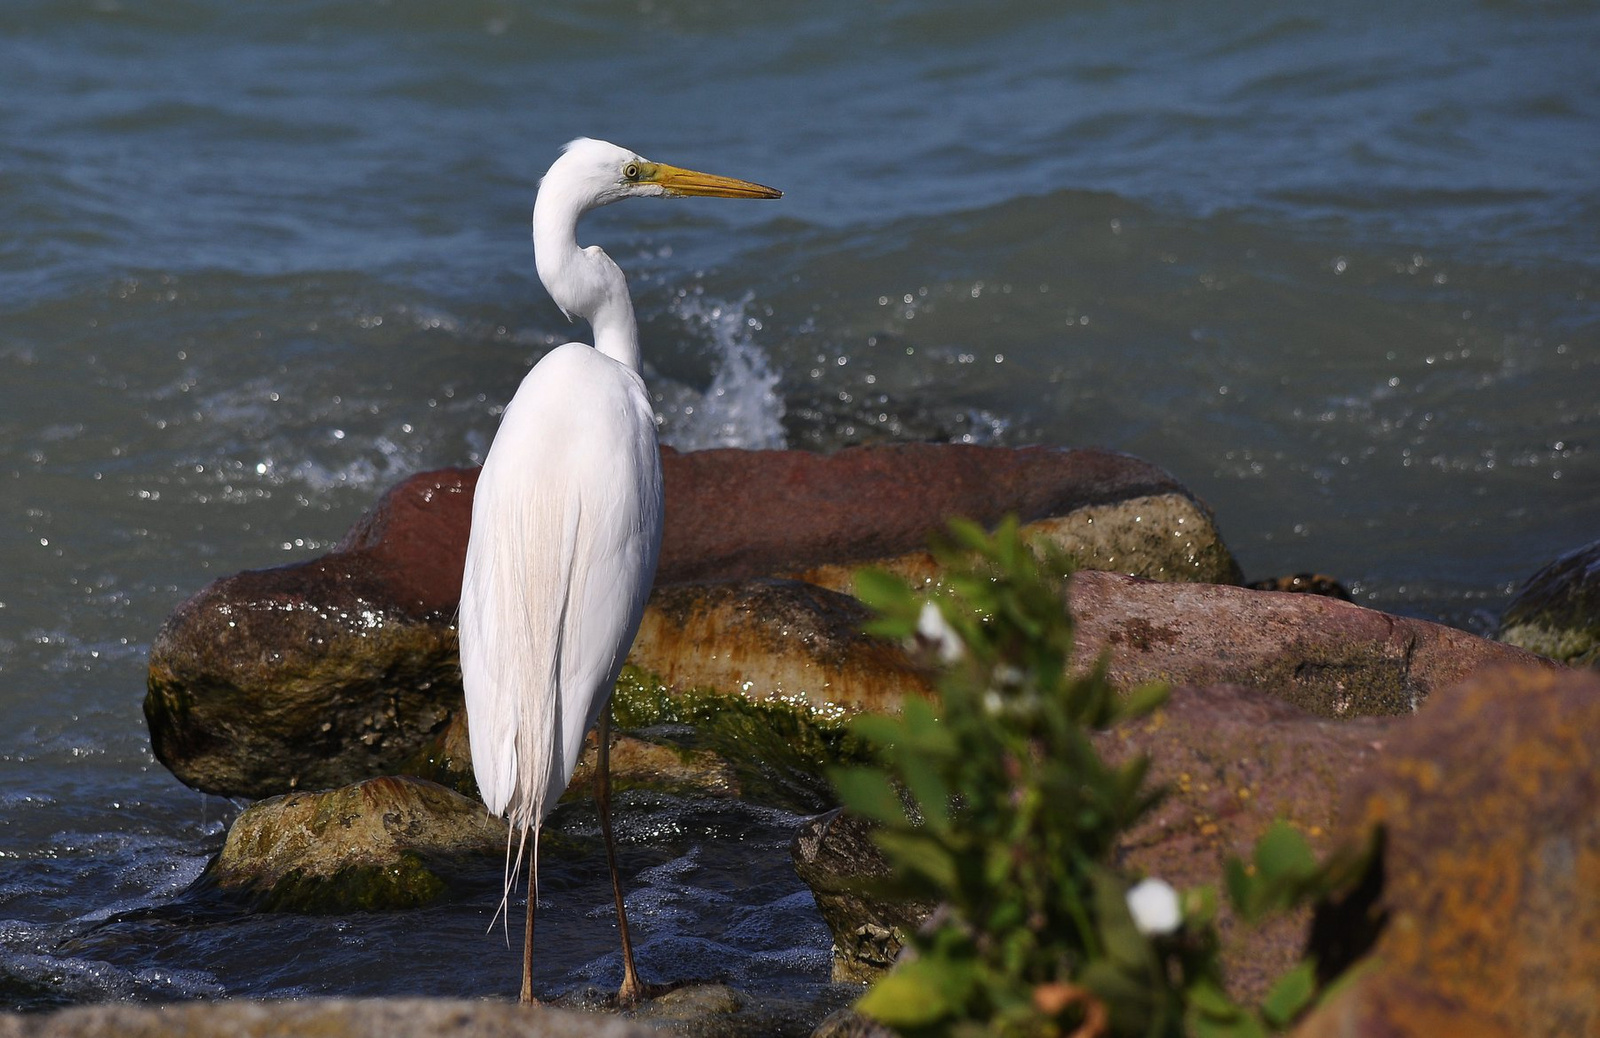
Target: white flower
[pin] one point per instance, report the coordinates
(936, 631)
(1154, 907)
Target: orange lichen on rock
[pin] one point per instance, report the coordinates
(1491, 805)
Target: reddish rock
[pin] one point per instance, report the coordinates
(1232, 759)
(343, 667)
(733, 513)
(1490, 799)
(1329, 657)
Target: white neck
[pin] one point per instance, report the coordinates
(584, 282)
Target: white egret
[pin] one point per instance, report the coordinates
(566, 525)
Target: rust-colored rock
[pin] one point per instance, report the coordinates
(733, 513)
(1330, 657)
(1490, 799)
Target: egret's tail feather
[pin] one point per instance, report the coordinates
(509, 880)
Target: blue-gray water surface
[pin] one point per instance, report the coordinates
(1332, 265)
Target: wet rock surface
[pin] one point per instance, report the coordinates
(378, 844)
(1329, 657)
(326, 1018)
(772, 639)
(1490, 799)
(1557, 612)
(835, 855)
(333, 670)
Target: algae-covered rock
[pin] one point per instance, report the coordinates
(772, 639)
(1557, 612)
(378, 844)
(770, 751)
(322, 673)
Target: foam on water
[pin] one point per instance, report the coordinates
(741, 407)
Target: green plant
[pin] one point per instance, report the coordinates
(995, 804)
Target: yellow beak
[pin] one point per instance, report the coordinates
(675, 181)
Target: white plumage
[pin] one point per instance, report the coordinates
(566, 521)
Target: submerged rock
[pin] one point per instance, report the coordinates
(377, 844)
(1557, 612)
(1490, 868)
(1332, 658)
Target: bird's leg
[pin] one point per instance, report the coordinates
(631, 990)
(527, 998)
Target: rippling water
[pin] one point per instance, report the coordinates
(1334, 266)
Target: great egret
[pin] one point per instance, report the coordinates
(566, 525)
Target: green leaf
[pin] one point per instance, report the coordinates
(1124, 944)
(1143, 700)
(1239, 1027)
(1290, 995)
(918, 852)
(884, 592)
(917, 993)
(868, 792)
(1282, 853)
(878, 729)
(1211, 1001)
(1241, 887)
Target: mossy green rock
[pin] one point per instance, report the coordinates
(1557, 612)
(375, 845)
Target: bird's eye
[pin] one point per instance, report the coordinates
(631, 171)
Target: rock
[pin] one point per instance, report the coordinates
(772, 640)
(333, 670)
(1490, 799)
(764, 513)
(1169, 537)
(1557, 612)
(1332, 658)
(1303, 584)
(1232, 759)
(378, 844)
(321, 673)
(329, 1018)
(834, 854)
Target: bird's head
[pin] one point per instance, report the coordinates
(594, 173)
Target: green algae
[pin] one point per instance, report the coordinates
(778, 749)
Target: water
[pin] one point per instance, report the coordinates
(1334, 266)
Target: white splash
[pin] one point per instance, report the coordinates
(741, 407)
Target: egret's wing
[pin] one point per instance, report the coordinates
(566, 527)
(513, 594)
(619, 538)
